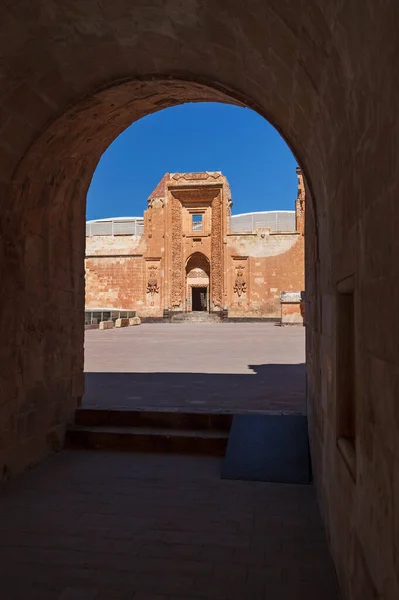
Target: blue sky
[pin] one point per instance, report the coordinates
(195, 137)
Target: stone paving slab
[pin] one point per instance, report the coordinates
(110, 526)
(229, 367)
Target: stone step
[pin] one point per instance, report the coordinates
(99, 417)
(195, 321)
(148, 439)
(195, 317)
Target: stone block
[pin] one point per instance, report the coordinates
(134, 321)
(122, 322)
(106, 325)
(291, 314)
(292, 308)
(291, 297)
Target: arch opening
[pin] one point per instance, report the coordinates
(49, 188)
(197, 290)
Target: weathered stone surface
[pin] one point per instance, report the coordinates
(122, 323)
(325, 72)
(241, 272)
(291, 297)
(134, 321)
(292, 308)
(291, 313)
(106, 325)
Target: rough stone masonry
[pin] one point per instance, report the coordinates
(74, 75)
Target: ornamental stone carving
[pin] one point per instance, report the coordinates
(156, 202)
(197, 176)
(216, 251)
(240, 285)
(177, 254)
(197, 273)
(152, 283)
(228, 214)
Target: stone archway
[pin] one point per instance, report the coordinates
(197, 287)
(72, 78)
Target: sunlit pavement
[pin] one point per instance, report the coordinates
(223, 367)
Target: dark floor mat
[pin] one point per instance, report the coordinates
(271, 448)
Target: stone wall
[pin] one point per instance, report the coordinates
(115, 275)
(114, 245)
(274, 262)
(114, 271)
(265, 262)
(326, 74)
(115, 282)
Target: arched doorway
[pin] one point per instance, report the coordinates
(197, 283)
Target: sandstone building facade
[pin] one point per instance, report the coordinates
(189, 253)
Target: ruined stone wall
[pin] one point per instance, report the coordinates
(268, 264)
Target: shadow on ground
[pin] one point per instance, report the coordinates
(112, 526)
(266, 388)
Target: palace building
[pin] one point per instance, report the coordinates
(189, 253)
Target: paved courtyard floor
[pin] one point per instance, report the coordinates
(235, 367)
(110, 526)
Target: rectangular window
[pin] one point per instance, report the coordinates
(346, 372)
(196, 221)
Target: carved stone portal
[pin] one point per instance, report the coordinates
(240, 286)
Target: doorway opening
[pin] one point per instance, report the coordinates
(199, 299)
(198, 293)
